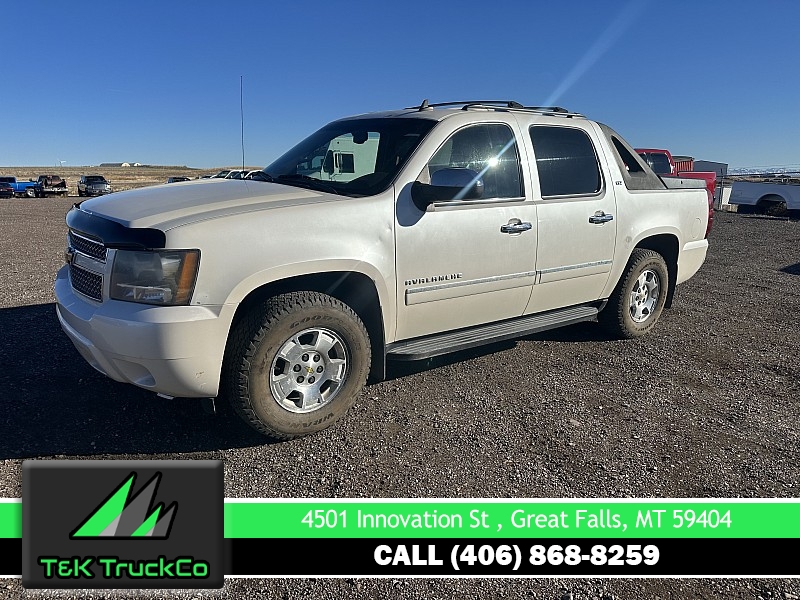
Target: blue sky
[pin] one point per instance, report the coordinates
(157, 82)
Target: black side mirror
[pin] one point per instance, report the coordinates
(451, 183)
(327, 164)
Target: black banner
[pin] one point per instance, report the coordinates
(11, 556)
(521, 557)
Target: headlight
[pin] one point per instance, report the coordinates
(164, 277)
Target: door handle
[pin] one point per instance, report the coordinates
(515, 226)
(600, 217)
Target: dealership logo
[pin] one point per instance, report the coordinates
(123, 516)
(116, 524)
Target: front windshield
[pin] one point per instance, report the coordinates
(352, 157)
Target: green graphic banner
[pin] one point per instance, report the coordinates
(10, 519)
(395, 518)
(512, 519)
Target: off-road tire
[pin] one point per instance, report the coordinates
(288, 322)
(625, 316)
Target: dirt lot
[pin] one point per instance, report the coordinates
(705, 406)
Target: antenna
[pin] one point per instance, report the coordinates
(241, 112)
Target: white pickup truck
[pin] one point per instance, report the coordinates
(396, 235)
(778, 199)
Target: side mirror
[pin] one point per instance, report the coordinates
(451, 183)
(327, 164)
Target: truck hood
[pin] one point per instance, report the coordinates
(172, 205)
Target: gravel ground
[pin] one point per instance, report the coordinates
(704, 406)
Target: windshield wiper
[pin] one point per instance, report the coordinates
(309, 182)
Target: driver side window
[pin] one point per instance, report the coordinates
(490, 150)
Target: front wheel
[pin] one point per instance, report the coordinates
(296, 364)
(640, 295)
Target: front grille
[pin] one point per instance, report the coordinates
(88, 247)
(87, 283)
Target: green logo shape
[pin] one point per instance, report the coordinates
(126, 517)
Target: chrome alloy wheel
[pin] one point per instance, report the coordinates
(308, 370)
(644, 296)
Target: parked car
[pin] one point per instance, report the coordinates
(258, 175)
(398, 235)
(93, 185)
(21, 188)
(777, 199)
(230, 174)
(177, 179)
(6, 190)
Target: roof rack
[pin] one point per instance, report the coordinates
(466, 103)
(498, 104)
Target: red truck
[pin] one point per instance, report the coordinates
(665, 165)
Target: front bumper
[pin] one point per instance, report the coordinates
(172, 350)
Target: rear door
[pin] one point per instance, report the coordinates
(576, 216)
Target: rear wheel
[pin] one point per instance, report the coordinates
(30, 192)
(296, 364)
(637, 302)
(773, 205)
(776, 209)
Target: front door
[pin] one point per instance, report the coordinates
(467, 261)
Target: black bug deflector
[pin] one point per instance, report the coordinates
(113, 234)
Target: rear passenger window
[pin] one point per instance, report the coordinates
(566, 161)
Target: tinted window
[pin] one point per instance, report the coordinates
(491, 151)
(566, 161)
(659, 163)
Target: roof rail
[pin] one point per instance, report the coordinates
(498, 104)
(554, 111)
